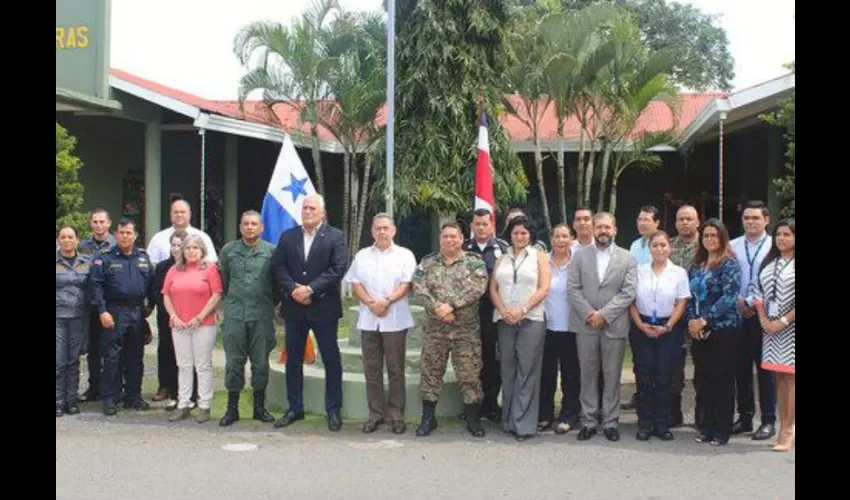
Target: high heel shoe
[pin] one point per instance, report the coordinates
(786, 441)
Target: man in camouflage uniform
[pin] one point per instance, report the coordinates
(248, 330)
(450, 285)
(683, 250)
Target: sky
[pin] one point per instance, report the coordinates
(187, 44)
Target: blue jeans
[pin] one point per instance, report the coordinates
(296, 339)
(654, 362)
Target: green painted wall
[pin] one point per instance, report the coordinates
(82, 46)
(111, 150)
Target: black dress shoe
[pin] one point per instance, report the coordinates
(90, 395)
(288, 418)
(703, 437)
(524, 437)
(741, 426)
(643, 434)
(59, 411)
(399, 427)
(612, 434)
(109, 411)
(334, 421)
(765, 431)
(72, 409)
(665, 435)
(139, 404)
(371, 425)
(719, 441)
(586, 433)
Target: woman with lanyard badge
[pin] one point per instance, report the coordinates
(714, 323)
(662, 293)
(775, 301)
(519, 284)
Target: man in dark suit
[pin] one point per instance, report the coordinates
(309, 262)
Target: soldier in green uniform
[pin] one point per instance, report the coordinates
(248, 330)
(450, 285)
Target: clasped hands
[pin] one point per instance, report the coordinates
(595, 319)
(302, 294)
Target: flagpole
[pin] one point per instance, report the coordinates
(390, 103)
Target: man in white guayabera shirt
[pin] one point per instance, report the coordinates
(380, 277)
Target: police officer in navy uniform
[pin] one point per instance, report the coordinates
(98, 243)
(122, 279)
(490, 248)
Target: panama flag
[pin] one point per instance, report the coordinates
(285, 195)
(483, 173)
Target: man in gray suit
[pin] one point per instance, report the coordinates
(601, 283)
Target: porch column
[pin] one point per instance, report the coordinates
(153, 178)
(231, 188)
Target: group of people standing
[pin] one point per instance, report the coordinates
(512, 316)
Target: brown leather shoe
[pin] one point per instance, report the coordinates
(161, 395)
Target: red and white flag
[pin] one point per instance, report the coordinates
(483, 173)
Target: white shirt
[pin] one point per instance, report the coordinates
(658, 293)
(159, 248)
(381, 272)
(603, 258)
(576, 245)
(557, 306)
(757, 252)
(308, 239)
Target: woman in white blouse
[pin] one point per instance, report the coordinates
(662, 293)
(560, 348)
(518, 287)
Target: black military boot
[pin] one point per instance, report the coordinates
(429, 419)
(232, 413)
(473, 421)
(260, 412)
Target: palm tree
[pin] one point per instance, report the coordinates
(286, 63)
(527, 80)
(579, 52)
(355, 77)
(631, 81)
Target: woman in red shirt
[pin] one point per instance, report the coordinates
(191, 291)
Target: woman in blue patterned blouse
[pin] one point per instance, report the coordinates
(713, 322)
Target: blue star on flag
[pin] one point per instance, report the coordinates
(296, 187)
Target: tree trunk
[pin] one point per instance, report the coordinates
(364, 195)
(603, 185)
(562, 182)
(538, 164)
(354, 237)
(588, 175)
(612, 204)
(317, 161)
(346, 189)
(580, 166)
